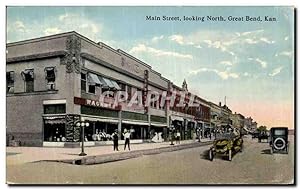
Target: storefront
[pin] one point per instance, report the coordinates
(54, 128)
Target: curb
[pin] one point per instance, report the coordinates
(101, 159)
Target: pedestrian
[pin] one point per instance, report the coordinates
(115, 138)
(178, 137)
(126, 135)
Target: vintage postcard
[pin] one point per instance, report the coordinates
(150, 95)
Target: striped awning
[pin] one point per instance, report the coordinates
(116, 86)
(93, 79)
(108, 82)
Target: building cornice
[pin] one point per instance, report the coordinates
(36, 56)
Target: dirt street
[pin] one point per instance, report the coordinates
(190, 166)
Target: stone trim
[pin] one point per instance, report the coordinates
(44, 92)
(72, 57)
(35, 56)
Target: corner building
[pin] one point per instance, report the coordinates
(54, 81)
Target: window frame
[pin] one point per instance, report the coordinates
(83, 81)
(10, 84)
(27, 82)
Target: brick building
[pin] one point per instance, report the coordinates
(54, 81)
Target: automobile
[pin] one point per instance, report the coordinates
(255, 134)
(226, 144)
(279, 140)
(263, 135)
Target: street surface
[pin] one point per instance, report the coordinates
(255, 165)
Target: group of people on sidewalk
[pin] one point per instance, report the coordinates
(115, 137)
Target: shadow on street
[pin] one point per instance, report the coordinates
(266, 151)
(11, 153)
(204, 156)
(73, 154)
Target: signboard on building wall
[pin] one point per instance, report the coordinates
(145, 90)
(96, 103)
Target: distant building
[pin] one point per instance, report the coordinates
(238, 120)
(250, 124)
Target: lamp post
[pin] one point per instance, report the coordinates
(198, 133)
(82, 124)
(172, 128)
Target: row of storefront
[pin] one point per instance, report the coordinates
(57, 128)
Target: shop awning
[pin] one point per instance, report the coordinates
(105, 120)
(173, 117)
(116, 86)
(93, 79)
(108, 82)
(135, 122)
(159, 124)
(54, 120)
(104, 85)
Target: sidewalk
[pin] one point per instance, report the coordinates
(21, 155)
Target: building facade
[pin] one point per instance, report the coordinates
(238, 120)
(250, 124)
(55, 81)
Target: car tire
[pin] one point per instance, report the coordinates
(230, 155)
(210, 155)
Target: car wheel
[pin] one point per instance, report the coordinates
(230, 155)
(210, 155)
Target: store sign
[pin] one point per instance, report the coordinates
(96, 103)
(131, 66)
(145, 90)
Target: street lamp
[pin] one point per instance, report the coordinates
(198, 133)
(172, 128)
(82, 124)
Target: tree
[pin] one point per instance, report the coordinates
(262, 128)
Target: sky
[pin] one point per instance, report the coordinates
(251, 63)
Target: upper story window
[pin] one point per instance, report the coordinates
(140, 92)
(50, 77)
(160, 101)
(10, 81)
(93, 81)
(55, 109)
(28, 77)
(153, 103)
(129, 92)
(83, 82)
